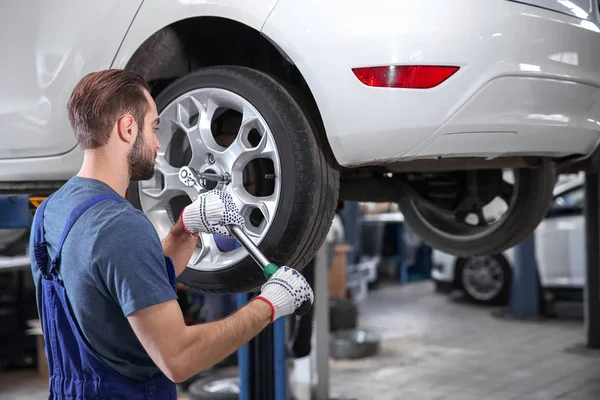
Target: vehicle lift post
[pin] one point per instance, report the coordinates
(592, 286)
(16, 214)
(262, 362)
(524, 289)
(525, 296)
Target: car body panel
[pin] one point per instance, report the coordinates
(38, 143)
(157, 14)
(528, 84)
(444, 264)
(506, 98)
(560, 251)
(47, 47)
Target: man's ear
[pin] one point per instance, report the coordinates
(127, 128)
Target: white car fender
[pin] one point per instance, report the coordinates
(157, 14)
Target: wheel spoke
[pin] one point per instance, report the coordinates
(170, 177)
(169, 124)
(267, 205)
(209, 253)
(185, 109)
(235, 150)
(156, 199)
(189, 116)
(169, 173)
(199, 149)
(245, 149)
(480, 218)
(206, 138)
(200, 253)
(183, 117)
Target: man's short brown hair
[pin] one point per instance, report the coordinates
(100, 98)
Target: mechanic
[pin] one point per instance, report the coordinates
(105, 283)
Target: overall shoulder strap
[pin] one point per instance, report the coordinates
(40, 251)
(38, 222)
(76, 213)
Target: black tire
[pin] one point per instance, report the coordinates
(503, 294)
(442, 287)
(309, 185)
(198, 390)
(347, 345)
(343, 315)
(302, 344)
(530, 207)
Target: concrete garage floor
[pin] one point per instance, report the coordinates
(435, 347)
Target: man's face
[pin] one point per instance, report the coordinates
(143, 153)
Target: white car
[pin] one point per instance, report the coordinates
(305, 103)
(559, 251)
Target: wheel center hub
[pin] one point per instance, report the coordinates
(213, 177)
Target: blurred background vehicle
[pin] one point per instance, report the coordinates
(559, 251)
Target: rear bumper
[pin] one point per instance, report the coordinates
(528, 82)
(512, 115)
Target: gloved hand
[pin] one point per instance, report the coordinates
(211, 213)
(286, 291)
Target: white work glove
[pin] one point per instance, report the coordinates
(211, 213)
(286, 291)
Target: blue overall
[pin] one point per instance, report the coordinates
(76, 372)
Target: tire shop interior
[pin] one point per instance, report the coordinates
(367, 166)
(401, 318)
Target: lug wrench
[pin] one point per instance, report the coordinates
(189, 177)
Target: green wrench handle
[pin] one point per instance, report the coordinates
(268, 267)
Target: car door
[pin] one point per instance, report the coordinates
(46, 47)
(560, 241)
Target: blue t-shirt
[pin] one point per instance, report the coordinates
(112, 265)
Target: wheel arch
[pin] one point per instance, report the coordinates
(165, 54)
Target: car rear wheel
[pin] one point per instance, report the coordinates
(241, 122)
(449, 211)
(485, 279)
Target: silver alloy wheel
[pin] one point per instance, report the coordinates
(191, 117)
(225, 385)
(482, 277)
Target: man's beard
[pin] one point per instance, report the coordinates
(141, 163)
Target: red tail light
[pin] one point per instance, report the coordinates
(407, 77)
